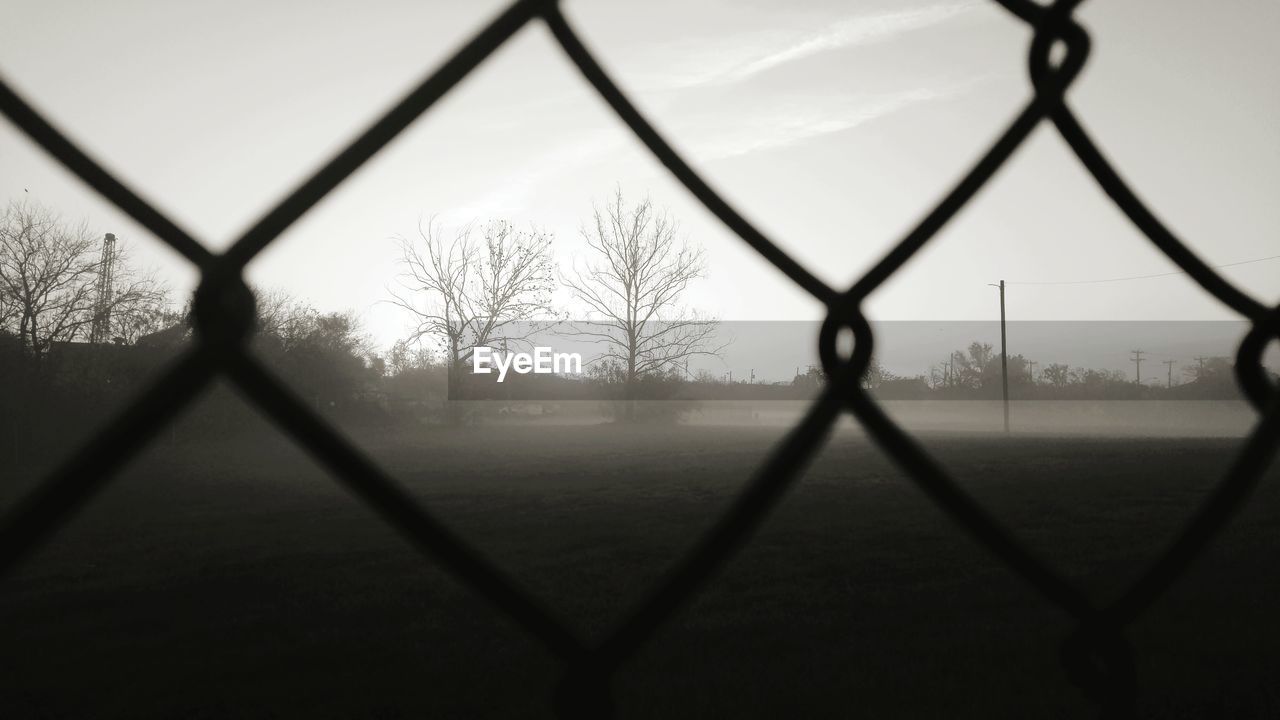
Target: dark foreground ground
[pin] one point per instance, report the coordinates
(238, 580)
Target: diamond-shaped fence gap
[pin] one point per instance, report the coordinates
(311, 589)
(412, 181)
(767, 95)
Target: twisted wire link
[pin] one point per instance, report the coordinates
(1097, 656)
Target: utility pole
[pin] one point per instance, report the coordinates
(1137, 362)
(1169, 364)
(1031, 365)
(1200, 373)
(1004, 358)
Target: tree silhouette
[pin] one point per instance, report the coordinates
(469, 292)
(632, 284)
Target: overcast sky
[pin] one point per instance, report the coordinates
(832, 125)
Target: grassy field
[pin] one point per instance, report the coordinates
(240, 580)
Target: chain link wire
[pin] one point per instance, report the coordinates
(1096, 657)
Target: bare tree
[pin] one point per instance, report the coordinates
(632, 286)
(49, 274)
(470, 292)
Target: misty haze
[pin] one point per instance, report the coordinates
(673, 360)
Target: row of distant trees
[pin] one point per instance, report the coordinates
(488, 284)
(979, 366)
(977, 373)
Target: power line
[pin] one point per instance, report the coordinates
(1140, 277)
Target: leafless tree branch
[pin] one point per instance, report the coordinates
(632, 286)
(470, 291)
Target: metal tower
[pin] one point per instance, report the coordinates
(100, 331)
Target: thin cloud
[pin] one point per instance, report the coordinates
(852, 31)
(707, 137)
(690, 63)
(799, 121)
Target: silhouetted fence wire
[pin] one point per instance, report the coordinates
(1097, 657)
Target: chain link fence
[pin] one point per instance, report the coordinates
(1096, 657)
